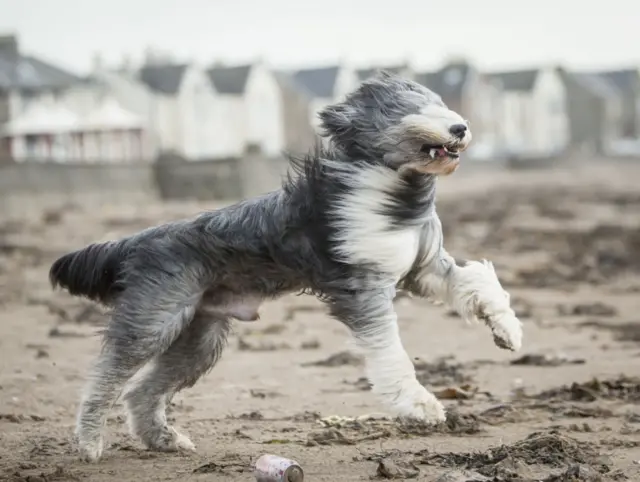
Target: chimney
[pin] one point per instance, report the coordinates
(97, 63)
(9, 46)
(150, 56)
(126, 64)
(456, 59)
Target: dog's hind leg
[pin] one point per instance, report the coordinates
(373, 322)
(131, 339)
(193, 353)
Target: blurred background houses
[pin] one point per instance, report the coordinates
(133, 113)
(209, 104)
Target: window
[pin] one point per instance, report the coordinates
(27, 73)
(27, 97)
(453, 76)
(31, 146)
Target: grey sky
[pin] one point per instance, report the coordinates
(494, 33)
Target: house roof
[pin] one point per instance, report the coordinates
(320, 82)
(596, 84)
(364, 74)
(624, 79)
(520, 80)
(26, 72)
(448, 81)
(230, 80)
(111, 115)
(165, 79)
(9, 46)
(39, 119)
(286, 81)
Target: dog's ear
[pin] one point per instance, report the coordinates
(356, 122)
(347, 125)
(337, 120)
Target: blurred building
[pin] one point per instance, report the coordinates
(299, 134)
(185, 114)
(255, 105)
(51, 114)
(25, 81)
(627, 81)
(55, 133)
(133, 113)
(532, 118)
(595, 107)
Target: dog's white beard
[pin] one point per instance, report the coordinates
(475, 293)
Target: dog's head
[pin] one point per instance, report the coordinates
(400, 123)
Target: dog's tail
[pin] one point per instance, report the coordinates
(92, 272)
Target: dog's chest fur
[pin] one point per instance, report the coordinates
(381, 221)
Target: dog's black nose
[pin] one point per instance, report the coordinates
(458, 130)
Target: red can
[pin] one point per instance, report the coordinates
(272, 468)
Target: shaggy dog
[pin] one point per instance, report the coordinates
(352, 223)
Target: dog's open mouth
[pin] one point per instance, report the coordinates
(440, 152)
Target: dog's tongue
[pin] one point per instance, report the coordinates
(441, 152)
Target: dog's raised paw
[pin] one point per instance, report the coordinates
(507, 334)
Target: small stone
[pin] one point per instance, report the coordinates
(462, 476)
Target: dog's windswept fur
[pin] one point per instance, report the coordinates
(352, 223)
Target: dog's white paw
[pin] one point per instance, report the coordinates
(91, 450)
(507, 333)
(417, 403)
(182, 442)
(170, 440)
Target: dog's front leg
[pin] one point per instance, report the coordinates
(373, 322)
(473, 290)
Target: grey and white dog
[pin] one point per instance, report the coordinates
(352, 223)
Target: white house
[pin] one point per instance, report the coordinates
(41, 132)
(51, 114)
(130, 94)
(533, 118)
(187, 112)
(100, 130)
(627, 81)
(111, 133)
(595, 108)
(108, 129)
(252, 103)
(324, 86)
(26, 81)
